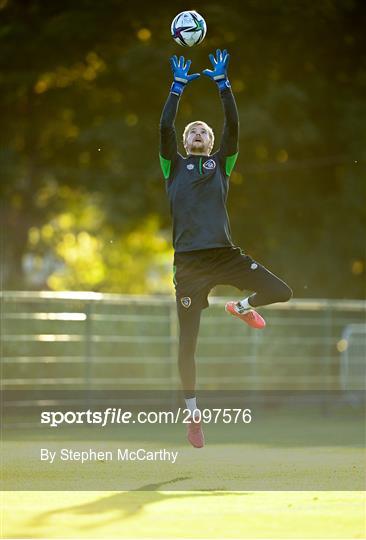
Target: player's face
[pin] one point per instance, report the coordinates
(198, 140)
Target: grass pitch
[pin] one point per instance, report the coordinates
(268, 510)
(162, 514)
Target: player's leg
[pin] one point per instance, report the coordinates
(189, 322)
(269, 289)
(245, 273)
(192, 285)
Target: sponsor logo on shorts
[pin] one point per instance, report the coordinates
(209, 164)
(190, 166)
(254, 266)
(186, 301)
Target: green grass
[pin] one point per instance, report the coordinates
(274, 474)
(161, 514)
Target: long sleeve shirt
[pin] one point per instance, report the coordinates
(197, 185)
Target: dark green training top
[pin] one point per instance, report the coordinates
(197, 186)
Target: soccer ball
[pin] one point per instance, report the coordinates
(188, 28)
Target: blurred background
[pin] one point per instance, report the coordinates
(82, 89)
(84, 211)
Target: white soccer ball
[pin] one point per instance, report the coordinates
(188, 28)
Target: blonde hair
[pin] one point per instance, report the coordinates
(209, 131)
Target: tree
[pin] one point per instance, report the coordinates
(82, 88)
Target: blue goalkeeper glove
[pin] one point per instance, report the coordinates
(219, 72)
(180, 70)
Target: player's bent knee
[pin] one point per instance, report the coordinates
(285, 293)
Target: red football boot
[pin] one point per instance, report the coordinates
(195, 434)
(251, 317)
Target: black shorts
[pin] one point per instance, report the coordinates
(195, 273)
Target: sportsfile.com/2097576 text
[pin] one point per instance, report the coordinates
(112, 415)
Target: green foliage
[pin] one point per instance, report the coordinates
(82, 86)
(78, 250)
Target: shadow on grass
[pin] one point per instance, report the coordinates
(124, 505)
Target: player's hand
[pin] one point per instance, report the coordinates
(180, 70)
(219, 72)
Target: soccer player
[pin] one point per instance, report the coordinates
(204, 253)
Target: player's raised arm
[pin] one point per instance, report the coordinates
(168, 138)
(230, 136)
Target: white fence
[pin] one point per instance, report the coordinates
(91, 340)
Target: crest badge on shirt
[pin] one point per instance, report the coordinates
(209, 164)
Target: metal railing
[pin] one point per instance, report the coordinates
(85, 340)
